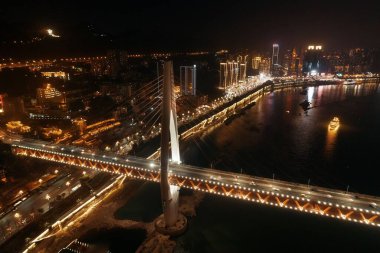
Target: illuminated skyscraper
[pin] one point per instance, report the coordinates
(256, 61)
(274, 63)
(290, 62)
(229, 74)
(223, 75)
(242, 72)
(234, 74)
(312, 61)
(242, 68)
(265, 66)
(276, 49)
(188, 80)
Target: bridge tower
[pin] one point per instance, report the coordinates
(172, 222)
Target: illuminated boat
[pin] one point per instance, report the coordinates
(334, 124)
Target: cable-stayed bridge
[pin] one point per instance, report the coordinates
(172, 175)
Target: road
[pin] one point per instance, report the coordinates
(38, 203)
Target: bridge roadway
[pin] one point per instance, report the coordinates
(303, 198)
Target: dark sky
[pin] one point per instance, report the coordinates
(203, 24)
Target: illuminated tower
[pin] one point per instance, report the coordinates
(235, 74)
(169, 222)
(274, 63)
(276, 49)
(293, 63)
(243, 68)
(256, 61)
(188, 80)
(223, 75)
(312, 60)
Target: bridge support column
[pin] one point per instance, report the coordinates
(172, 222)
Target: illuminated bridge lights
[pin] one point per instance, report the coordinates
(135, 169)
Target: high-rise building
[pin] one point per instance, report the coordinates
(256, 61)
(275, 52)
(242, 65)
(359, 60)
(223, 75)
(291, 62)
(188, 80)
(265, 65)
(117, 60)
(287, 61)
(242, 72)
(312, 61)
(233, 72)
(275, 63)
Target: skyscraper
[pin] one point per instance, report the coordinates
(276, 49)
(265, 66)
(188, 80)
(312, 61)
(256, 60)
(223, 75)
(275, 65)
(290, 62)
(243, 68)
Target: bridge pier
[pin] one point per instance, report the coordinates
(171, 222)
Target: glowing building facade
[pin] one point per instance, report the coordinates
(313, 61)
(188, 80)
(50, 95)
(233, 72)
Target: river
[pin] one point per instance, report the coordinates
(276, 138)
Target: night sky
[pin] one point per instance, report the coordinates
(197, 24)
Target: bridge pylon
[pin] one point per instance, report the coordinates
(172, 222)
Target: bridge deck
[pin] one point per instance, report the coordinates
(313, 200)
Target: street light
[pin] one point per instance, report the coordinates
(67, 183)
(56, 171)
(47, 197)
(40, 180)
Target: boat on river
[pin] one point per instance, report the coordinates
(334, 124)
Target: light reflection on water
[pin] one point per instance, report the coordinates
(331, 136)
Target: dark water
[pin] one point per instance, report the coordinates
(296, 147)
